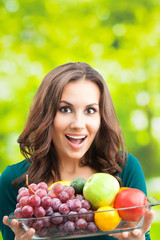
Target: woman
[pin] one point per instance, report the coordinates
(72, 131)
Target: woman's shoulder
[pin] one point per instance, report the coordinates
(132, 173)
(131, 163)
(14, 171)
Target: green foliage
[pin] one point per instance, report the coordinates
(118, 38)
(155, 231)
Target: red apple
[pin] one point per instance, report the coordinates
(131, 197)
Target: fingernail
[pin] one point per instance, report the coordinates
(125, 234)
(136, 232)
(13, 223)
(31, 232)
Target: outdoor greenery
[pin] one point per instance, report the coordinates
(121, 39)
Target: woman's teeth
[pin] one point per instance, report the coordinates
(76, 139)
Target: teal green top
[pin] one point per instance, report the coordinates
(132, 176)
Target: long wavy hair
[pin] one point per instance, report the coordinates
(36, 142)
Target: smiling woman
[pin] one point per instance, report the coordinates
(73, 99)
(72, 131)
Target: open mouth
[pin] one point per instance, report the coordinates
(76, 139)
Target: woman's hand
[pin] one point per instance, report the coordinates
(138, 234)
(20, 233)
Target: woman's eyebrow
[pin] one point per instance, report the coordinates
(68, 103)
(92, 104)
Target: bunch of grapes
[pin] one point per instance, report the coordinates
(67, 212)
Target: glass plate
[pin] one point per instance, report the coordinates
(54, 231)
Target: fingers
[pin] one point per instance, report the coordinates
(149, 215)
(6, 222)
(121, 236)
(14, 225)
(137, 233)
(27, 235)
(125, 235)
(17, 229)
(148, 218)
(20, 233)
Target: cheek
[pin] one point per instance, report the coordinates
(94, 127)
(59, 124)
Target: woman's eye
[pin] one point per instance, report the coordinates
(90, 110)
(65, 110)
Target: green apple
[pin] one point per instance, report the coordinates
(101, 189)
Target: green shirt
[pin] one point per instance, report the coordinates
(132, 176)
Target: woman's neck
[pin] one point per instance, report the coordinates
(72, 169)
(68, 168)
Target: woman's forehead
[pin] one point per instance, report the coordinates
(81, 89)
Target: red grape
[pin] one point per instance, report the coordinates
(18, 213)
(80, 223)
(23, 193)
(42, 232)
(34, 200)
(56, 204)
(80, 197)
(41, 193)
(51, 194)
(70, 190)
(69, 226)
(81, 211)
(57, 218)
(42, 185)
(91, 227)
(90, 216)
(57, 188)
(46, 222)
(86, 204)
(46, 202)
(27, 211)
(49, 211)
(18, 205)
(24, 201)
(29, 222)
(64, 209)
(63, 196)
(72, 216)
(60, 227)
(75, 205)
(37, 224)
(22, 188)
(39, 211)
(34, 187)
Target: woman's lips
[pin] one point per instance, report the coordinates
(75, 141)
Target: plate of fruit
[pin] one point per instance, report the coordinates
(80, 208)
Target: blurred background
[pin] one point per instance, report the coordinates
(121, 39)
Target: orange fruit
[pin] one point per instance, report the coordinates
(108, 219)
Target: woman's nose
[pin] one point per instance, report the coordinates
(78, 122)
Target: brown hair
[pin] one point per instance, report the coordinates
(36, 143)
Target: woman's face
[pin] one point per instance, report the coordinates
(77, 119)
